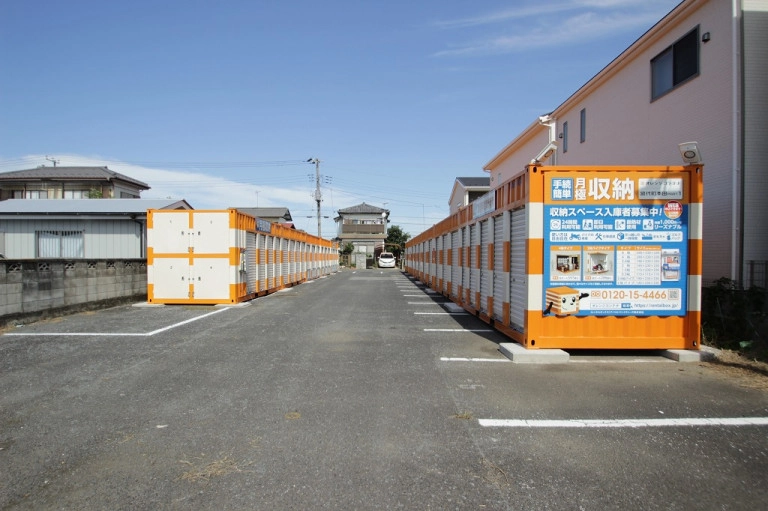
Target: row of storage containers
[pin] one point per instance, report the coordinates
(576, 257)
(226, 256)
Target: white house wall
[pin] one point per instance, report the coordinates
(521, 157)
(624, 127)
(755, 23)
(103, 239)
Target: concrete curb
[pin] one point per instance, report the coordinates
(519, 355)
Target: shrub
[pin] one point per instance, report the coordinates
(732, 317)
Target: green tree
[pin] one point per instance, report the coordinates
(396, 239)
(348, 248)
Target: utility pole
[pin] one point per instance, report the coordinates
(318, 193)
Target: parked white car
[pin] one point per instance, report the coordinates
(386, 260)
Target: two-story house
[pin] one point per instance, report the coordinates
(364, 226)
(699, 75)
(466, 190)
(69, 183)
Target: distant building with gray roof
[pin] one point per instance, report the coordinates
(466, 190)
(363, 225)
(69, 183)
(77, 228)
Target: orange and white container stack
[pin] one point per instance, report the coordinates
(576, 257)
(226, 256)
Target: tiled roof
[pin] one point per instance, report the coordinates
(283, 213)
(363, 208)
(474, 181)
(87, 206)
(69, 174)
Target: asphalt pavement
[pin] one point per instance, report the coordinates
(362, 390)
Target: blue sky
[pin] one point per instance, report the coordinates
(222, 102)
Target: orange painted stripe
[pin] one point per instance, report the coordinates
(695, 256)
(491, 258)
(534, 260)
(697, 184)
(609, 332)
(535, 184)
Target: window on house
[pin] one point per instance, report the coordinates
(76, 194)
(583, 117)
(675, 65)
(36, 194)
(565, 137)
(60, 244)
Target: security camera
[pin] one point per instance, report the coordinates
(690, 153)
(544, 153)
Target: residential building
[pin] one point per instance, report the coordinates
(699, 75)
(274, 215)
(364, 226)
(69, 183)
(466, 190)
(77, 228)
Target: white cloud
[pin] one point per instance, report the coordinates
(202, 190)
(545, 25)
(502, 16)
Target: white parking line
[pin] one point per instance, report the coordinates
(465, 359)
(453, 330)
(117, 334)
(623, 423)
(441, 313)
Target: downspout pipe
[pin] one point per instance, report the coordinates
(551, 123)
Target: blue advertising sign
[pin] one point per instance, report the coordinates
(616, 244)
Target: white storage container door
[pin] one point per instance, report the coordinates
(210, 233)
(169, 234)
(262, 241)
(486, 276)
(446, 263)
(474, 283)
(466, 236)
(211, 278)
(251, 264)
(286, 266)
(455, 268)
(500, 283)
(171, 278)
(518, 285)
(270, 262)
(292, 246)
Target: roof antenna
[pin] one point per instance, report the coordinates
(54, 160)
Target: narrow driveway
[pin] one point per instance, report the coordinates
(358, 391)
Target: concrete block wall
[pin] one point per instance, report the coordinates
(42, 287)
